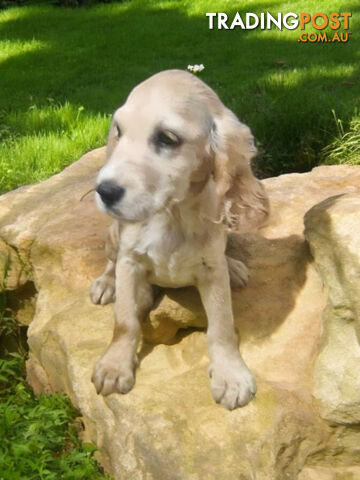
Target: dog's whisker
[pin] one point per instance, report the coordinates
(87, 193)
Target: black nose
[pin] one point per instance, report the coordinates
(110, 192)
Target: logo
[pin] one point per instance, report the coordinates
(335, 21)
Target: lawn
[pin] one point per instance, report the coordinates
(39, 435)
(63, 72)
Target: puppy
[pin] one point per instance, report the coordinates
(177, 180)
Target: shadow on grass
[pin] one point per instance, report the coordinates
(93, 57)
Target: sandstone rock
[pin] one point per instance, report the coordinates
(333, 232)
(168, 426)
(334, 473)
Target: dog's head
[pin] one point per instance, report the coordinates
(165, 143)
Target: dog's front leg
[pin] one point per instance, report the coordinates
(102, 290)
(114, 371)
(232, 383)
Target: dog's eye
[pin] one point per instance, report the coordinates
(166, 138)
(118, 131)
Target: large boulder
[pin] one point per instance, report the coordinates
(301, 423)
(333, 232)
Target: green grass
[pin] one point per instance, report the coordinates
(38, 435)
(345, 149)
(64, 71)
(43, 140)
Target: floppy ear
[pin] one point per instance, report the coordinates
(243, 200)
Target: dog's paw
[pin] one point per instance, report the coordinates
(238, 272)
(112, 377)
(232, 383)
(102, 290)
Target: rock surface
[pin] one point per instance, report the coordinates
(168, 426)
(332, 229)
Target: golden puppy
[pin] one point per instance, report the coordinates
(177, 180)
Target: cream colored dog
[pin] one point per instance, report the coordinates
(177, 179)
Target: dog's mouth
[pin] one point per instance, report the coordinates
(123, 213)
(112, 212)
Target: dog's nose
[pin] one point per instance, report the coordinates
(110, 192)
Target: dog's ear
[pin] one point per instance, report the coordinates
(243, 200)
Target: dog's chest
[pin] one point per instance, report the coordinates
(171, 258)
(176, 270)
